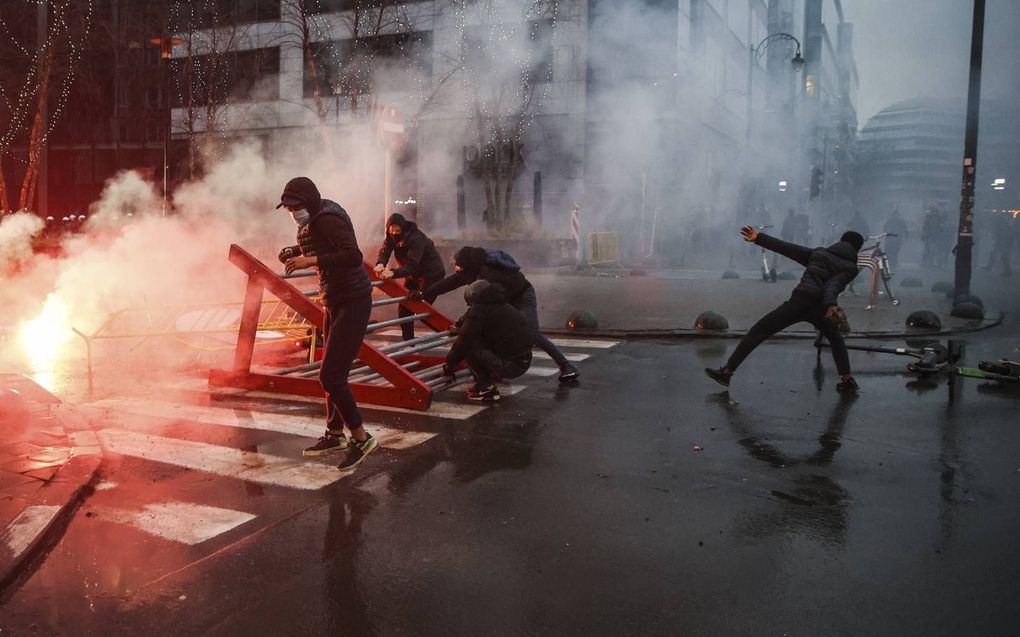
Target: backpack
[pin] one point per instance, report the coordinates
(501, 260)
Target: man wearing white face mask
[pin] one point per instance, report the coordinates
(326, 242)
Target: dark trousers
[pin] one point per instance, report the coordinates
(488, 367)
(344, 330)
(527, 304)
(407, 329)
(793, 311)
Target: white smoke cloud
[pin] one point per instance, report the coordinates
(16, 233)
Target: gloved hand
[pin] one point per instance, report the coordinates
(835, 313)
(287, 254)
(414, 295)
(379, 267)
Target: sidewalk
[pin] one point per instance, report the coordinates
(48, 458)
(667, 302)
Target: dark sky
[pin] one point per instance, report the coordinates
(915, 48)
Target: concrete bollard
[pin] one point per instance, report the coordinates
(711, 320)
(924, 320)
(942, 286)
(730, 274)
(911, 282)
(582, 320)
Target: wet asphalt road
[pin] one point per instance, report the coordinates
(642, 501)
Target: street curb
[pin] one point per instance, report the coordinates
(693, 333)
(47, 518)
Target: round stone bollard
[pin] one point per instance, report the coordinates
(942, 286)
(968, 310)
(911, 282)
(730, 274)
(924, 320)
(582, 320)
(969, 298)
(786, 276)
(711, 321)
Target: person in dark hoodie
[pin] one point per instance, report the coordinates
(493, 337)
(418, 262)
(496, 266)
(814, 300)
(326, 242)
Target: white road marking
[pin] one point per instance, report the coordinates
(306, 426)
(538, 370)
(26, 526)
(224, 461)
(583, 343)
(439, 409)
(182, 522)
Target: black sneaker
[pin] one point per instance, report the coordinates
(848, 386)
(357, 451)
(488, 394)
(326, 444)
(720, 375)
(568, 373)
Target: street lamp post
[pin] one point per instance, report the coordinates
(756, 52)
(166, 46)
(965, 231)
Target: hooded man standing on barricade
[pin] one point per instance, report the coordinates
(493, 337)
(418, 262)
(496, 266)
(814, 300)
(326, 242)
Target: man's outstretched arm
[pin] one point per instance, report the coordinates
(800, 254)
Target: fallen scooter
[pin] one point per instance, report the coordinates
(1002, 371)
(932, 358)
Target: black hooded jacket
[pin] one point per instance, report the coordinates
(329, 236)
(829, 270)
(475, 264)
(416, 254)
(494, 324)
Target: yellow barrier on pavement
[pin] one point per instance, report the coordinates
(603, 248)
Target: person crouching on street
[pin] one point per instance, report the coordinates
(475, 264)
(418, 262)
(493, 338)
(326, 242)
(814, 300)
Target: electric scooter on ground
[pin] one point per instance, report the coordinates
(932, 358)
(1002, 371)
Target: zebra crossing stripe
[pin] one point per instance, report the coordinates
(438, 409)
(182, 522)
(306, 426)
(222, 461)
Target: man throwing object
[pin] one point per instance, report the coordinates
(815, 300)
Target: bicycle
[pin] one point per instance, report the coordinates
(874, 258)
(768, 273)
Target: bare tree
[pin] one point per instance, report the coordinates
(41, 48)
(507, 66)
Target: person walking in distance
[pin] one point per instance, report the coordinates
(418, 262)
(496, 266)
(815, 300)
(326, 242)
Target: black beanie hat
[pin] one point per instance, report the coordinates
(470, 258)
(301, 191)
(853, 238)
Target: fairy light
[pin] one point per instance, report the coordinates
(58, 29)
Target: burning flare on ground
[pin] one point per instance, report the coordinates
(43, 338)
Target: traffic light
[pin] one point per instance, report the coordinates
(816, 181)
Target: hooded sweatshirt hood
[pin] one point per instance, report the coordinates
(470, 259)
(844, 250)
(398, 219)
(301, 191)
(485, 293)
